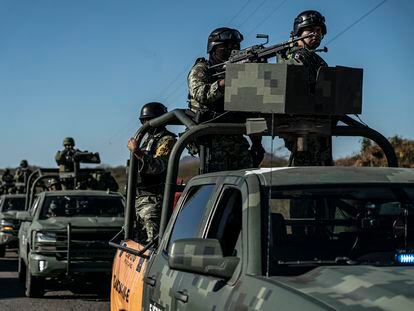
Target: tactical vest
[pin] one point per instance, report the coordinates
(202, 112)
(309, 59)
(153, 182)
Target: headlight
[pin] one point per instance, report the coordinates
(6, 225)
(5, 222)
(45, 237)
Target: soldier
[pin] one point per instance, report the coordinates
(21, 176)
(105, 181)
(53, 184)
(318, 149)
(152, 165)
(206, 101)
(64, 158)
(304, 53)
(65, 161)
(7, 184)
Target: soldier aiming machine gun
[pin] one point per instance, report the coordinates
(76, 157)
(259, 53)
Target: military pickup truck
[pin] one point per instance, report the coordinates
(64, 238)
(294, 238)
(10, 204)
(307, 238)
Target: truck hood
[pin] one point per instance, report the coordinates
(8, 215)
(60, 223)
(356, 287)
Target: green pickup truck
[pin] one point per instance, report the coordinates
(64, 237)
(10, 204)
(304, 238)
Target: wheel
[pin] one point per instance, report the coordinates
(2, 250)
(21, 270)
(35, 286)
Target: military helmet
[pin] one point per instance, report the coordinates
(222, 35)
(24, 163)
(308, 19)
(152, 110)
(68, 141)
(52, 181)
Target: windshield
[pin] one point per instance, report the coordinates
(13, 204)
(338, 224)
(71, 206)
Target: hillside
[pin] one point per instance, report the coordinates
(371, 155)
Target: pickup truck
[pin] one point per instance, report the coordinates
(63, 239)
(10, 204)
(294, 238)
(310, 238)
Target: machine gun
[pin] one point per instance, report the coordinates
(86, 157)
(258, 53)
(77, 156)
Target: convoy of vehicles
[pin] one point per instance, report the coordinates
(311, 238)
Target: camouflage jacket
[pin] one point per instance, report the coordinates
(153, 165)
(22, 174)
(65, 161)
(204, 91)
(305, 57)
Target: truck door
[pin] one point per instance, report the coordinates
(160, 281)
(204, 292)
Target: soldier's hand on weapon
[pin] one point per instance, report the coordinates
(134, 148)
(221, 83)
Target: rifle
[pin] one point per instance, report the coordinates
(258, 53)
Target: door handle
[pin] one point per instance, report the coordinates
(150, 280)
(181, 295)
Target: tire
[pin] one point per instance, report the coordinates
(21, 270)
(2, 250)
(35, 286)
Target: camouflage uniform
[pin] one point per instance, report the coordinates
(152, 173)
(22, 174)
(7, 184)
(66, 164)
(319, 149)
(206, 100)
(64, 160)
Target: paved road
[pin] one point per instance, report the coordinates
(12, 295)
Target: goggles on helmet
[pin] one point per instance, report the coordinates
(228, 35)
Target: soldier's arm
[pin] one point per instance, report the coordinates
(60, 157)
(157, 164)
(200, 88)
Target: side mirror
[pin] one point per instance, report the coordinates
(24, 216)
(203, 256)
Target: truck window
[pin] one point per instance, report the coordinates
(82, 206)
(187, 224)
(13, 204)
(227, 221)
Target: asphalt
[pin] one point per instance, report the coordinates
(12, 295)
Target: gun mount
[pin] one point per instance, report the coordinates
(285, 89)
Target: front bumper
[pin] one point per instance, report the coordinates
(49, 266)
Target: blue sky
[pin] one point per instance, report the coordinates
(83, 68)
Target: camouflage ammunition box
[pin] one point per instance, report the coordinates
(284, 89)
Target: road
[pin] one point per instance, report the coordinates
(12, 295)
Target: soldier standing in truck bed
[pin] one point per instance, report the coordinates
(319, 150)
(206, 101)
(152, 165)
